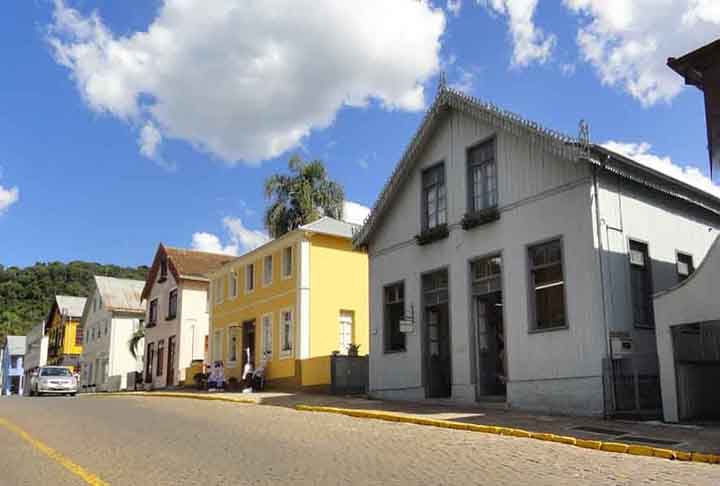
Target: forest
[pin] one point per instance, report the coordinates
(26, 294)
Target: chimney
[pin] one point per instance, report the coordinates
(701, 68)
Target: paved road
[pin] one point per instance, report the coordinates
(168, 441)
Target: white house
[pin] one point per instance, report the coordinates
(176, 321)
(511, 263)
(113, 312)
(36, 350)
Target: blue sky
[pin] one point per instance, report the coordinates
(102, 159)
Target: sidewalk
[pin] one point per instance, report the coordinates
(690, 438)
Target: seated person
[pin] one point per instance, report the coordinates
(216, 380)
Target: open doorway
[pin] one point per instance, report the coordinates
(436, 315)
(487, 309)
(248, 343)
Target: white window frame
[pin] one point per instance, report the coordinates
(263, 341)
(284, 275)
(249, 290)
(342, 319)
(287, 353)
(238, 351)
(214, 350)
(233, 289)
(268, 281)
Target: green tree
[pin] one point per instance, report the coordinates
(26, 294)
(301, 197)
(137, 336)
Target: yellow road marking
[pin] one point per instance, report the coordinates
(76, 469)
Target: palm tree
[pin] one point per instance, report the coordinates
(135, 340)
(301, 197)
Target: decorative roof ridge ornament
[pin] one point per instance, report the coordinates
(584, 136)
(442, 82)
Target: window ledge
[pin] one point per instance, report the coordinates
(432, 235)
(479, 218)
(549, 329)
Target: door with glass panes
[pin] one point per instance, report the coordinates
(436, 314)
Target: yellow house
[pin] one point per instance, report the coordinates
(291, 303)
(65, 336)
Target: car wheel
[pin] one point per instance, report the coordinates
(73, 394)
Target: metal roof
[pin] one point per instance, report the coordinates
(120, 294)
(15, 345)
(331, 226)
(72, 306)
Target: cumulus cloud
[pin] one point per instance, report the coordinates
(8, 197)
(629, 41)
(246, 81)
(530, 43)
(640, 152)
(355, 213)
(241, 239)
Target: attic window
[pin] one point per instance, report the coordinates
(163, 269)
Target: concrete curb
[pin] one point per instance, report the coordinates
(632, 449)
(192, 396)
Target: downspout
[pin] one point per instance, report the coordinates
(603, 294)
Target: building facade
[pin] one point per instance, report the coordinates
(36, 351)
(290, 304)
(13, 374)
(64, 333)
(114, 311)
(508, 261)
(176, 316)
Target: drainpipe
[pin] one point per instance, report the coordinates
(602, 271)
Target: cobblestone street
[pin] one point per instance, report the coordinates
(166, 441)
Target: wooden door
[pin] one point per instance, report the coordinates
(171, 361)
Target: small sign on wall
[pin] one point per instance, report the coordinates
(407, 326)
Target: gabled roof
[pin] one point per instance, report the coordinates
(331, 226)
(563, 146)
(69, 305)
(449, 99)
(184, 265)
(120, 294)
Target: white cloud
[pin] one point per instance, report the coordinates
(363, 163)
(454, 7)
(246, 81)
(530, 43)
(241, 239)
(629, 41)
(8, 197)
(640, 152)
(355, 212)
(150, 138)
(210, 243)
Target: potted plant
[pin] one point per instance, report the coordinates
(353, 349)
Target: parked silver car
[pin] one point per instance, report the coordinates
(56, 380)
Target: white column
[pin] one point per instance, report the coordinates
(303, 298)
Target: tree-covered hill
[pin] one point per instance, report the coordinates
(26, 294)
